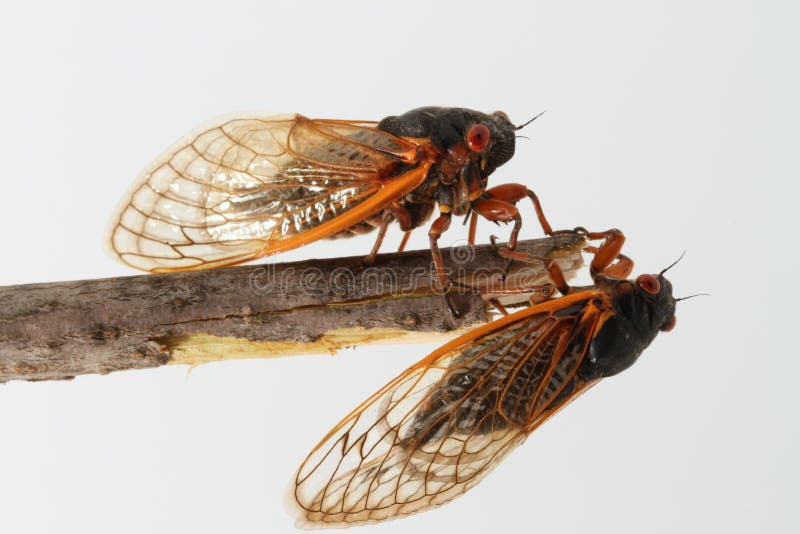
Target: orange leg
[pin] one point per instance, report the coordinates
(602, 264)
(388, 217)
(499, 211)
(439, 226)
(513, 193)
(392, 213)
(607, 252)
(556, 274)
(403, 243)
(536, 294)
(498, 306)
(473, 227)
(510, 194)
(542, 293)
(621, 269)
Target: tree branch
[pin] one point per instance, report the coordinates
(63, 329)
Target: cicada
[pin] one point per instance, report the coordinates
(441, 426)
(250, 186)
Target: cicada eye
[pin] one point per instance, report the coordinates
(478, 138)
(670, 325)
(649, 283)
(502, 114)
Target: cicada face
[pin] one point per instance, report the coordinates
(470, 144)
(448, 128)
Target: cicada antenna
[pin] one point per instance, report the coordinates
(521, 126)
(692, 296)
(673, 264)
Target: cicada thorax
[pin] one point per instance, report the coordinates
(469, 146)
(464, 147)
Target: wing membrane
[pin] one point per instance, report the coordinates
(250, 186)
(440, 427)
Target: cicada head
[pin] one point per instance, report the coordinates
(647, 304)
(641, 309)
(504, 142)
(459, 134)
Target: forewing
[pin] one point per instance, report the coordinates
(245, 187)
(440, 427)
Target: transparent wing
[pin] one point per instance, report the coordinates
(440, 427)
(245, 187)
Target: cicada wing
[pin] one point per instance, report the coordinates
(444, 424)
(248, 186)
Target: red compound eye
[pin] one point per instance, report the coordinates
(649, 283)
(478, 138)
(502, 114)
(670, 325)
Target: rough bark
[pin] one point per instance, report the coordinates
(63, 329)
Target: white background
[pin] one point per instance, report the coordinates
(677, 122)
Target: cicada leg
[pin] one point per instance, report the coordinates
(498, 306)
(537, 293)
(622, 268)
(510, 194)
(387, 218)
(439, 226)
(499, 205)
(404, 241)
(395, 212)
(608, 253)
(473, 226)
(556, 274)
(607, 260)
(499, 211)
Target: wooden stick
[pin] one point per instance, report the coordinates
(59, 330)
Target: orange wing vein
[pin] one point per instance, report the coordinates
(441, 426)
(248, 186)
